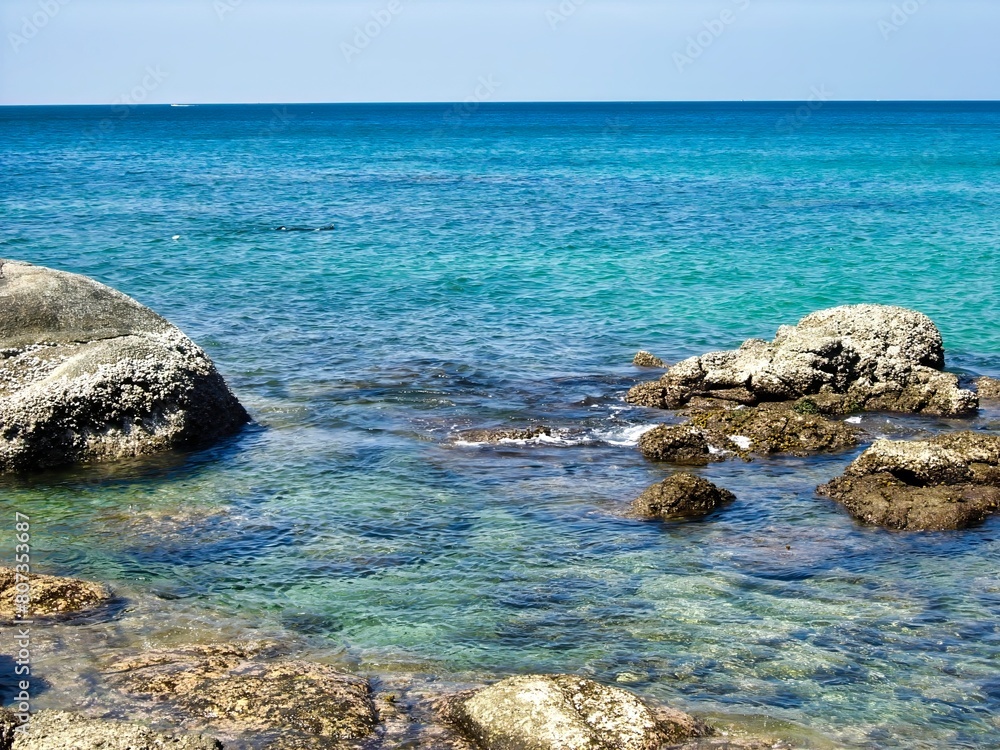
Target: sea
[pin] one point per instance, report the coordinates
(373, 280)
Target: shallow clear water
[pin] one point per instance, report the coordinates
(503, 271)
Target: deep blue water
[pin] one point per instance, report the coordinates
(502, 267)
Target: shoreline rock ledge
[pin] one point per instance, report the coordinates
(851, 358)
(89, 374)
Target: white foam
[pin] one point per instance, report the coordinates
(742, 441)
(623, 436)
(853, 420)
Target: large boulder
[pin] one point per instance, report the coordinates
(949, 481)
(874, 357)
(48, 596)
(563, 712)
(234, 688)
(60, 730)
(89, 374)
(680, 496)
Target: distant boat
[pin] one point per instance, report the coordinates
(181, 105)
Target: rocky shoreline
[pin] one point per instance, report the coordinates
(260, 694)
(88, 375)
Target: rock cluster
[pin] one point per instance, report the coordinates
(867, 357)
(563, 712)
(88, 374)
(680, 496)
(950, 481)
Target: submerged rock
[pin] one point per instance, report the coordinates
(680, 496)
(950, 481)
(50, 595)
(563, 712)
(89, 374)
(988, 389)
(646, 359)
(501, 434)
(60, 730)
(232, 687)
(874, 357)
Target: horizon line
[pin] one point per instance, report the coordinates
(505, 102)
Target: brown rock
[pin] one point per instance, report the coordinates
(777, 428)
(232, 687)
(684, 445)
(646, 359)
(50, 595)
(950, 481)
(988, 388)
(679, 496)
(59, 730)
(884, 500)
(501, 434)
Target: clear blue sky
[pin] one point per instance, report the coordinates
(96, 51)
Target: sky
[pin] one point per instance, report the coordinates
(197, 51)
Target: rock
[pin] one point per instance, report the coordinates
(679, 496)
(59, 730)
(949, 481)
(233, 687)
(988, 388)
(499, 435)
(562, 712)
(645, 359)
(8, 722)
(885, 501)
(49, 595)
(876, 357)
(684, 445)
(715, 433)
(88, 374)
(777, 428)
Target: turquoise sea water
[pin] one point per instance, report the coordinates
(501, 267)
